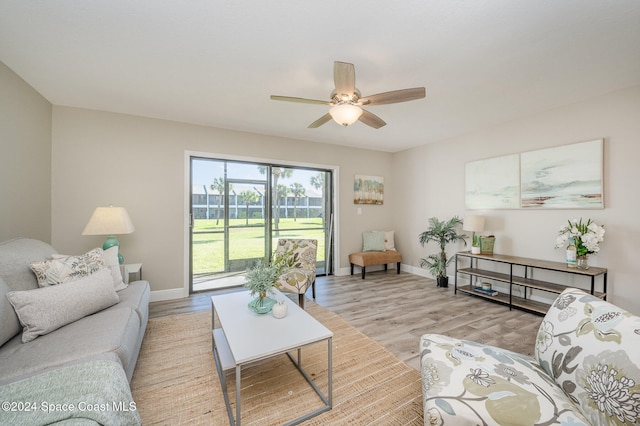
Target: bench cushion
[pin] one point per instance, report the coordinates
(375, 257)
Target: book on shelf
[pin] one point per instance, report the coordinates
(487, 292)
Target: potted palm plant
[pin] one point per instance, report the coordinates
(443, 233)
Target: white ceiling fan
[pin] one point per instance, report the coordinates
(346, 102)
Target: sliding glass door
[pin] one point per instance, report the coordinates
(240, 209)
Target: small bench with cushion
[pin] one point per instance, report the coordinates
(378, 248)
(371, 258)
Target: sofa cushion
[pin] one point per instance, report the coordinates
(135, 296)
(590, 348)
(46, 309)
(108, 334)
(468, 383)
(9, 324)
(64, 269)
(15, 256)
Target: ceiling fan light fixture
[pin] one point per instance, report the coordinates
(345, 114)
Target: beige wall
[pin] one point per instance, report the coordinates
(102, 158)
(25, 160)
(51, 180)
(435, 173)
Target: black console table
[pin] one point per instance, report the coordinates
(518, 271)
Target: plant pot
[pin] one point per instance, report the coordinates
(475, 250)
(582, 262)
(262, 304)
(442, 281)
(486, 245)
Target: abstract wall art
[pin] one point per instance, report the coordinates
(563, 177)
(368, 189)
(493, 183)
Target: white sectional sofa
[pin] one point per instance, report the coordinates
(74, 343)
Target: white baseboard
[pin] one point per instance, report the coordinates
(179, 293)
(174, 293)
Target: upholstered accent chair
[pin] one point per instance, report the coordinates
(299, 258)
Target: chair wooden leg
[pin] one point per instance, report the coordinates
(301, 300)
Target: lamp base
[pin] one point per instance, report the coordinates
(110, 242)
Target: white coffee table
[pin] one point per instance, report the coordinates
(244, 337)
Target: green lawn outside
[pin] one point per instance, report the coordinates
(245, 242)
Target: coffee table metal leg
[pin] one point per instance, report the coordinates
(330, 376)
(223, 383)
(237, 395)
(327, 399)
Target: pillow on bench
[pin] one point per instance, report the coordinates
(373, 241)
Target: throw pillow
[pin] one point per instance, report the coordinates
(65, 269)
(46, 309)
(111, 261)
(9, 324)
(389, 243)
(373, 241)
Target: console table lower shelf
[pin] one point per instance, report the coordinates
(503, 298)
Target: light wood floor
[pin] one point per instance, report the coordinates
(396, 310)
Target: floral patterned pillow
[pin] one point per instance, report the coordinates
(65, 269)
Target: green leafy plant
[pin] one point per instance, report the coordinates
(476, 241)
(442, 233)
(261, 278)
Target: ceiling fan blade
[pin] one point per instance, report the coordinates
(371, 119)
(395, 96)
(344, 77)
(320, 121)
(299, 100)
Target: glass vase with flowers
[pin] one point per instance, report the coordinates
(586, 237)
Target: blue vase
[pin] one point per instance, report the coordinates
(262, 305)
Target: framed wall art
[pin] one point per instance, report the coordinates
(493, 183)
(368, 189)
(563, 177)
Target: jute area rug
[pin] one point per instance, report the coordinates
(176, 382)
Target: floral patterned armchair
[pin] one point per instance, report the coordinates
(586, 371)
(298, 259)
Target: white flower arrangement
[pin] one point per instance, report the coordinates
(586, 236)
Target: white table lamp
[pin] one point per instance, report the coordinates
(109, 221)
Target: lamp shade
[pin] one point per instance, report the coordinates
(345, 114)
(109, 221)
(473, 223)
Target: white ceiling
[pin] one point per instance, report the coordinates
(215, 63)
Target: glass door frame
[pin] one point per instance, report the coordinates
(266, 201)
(332, 250)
